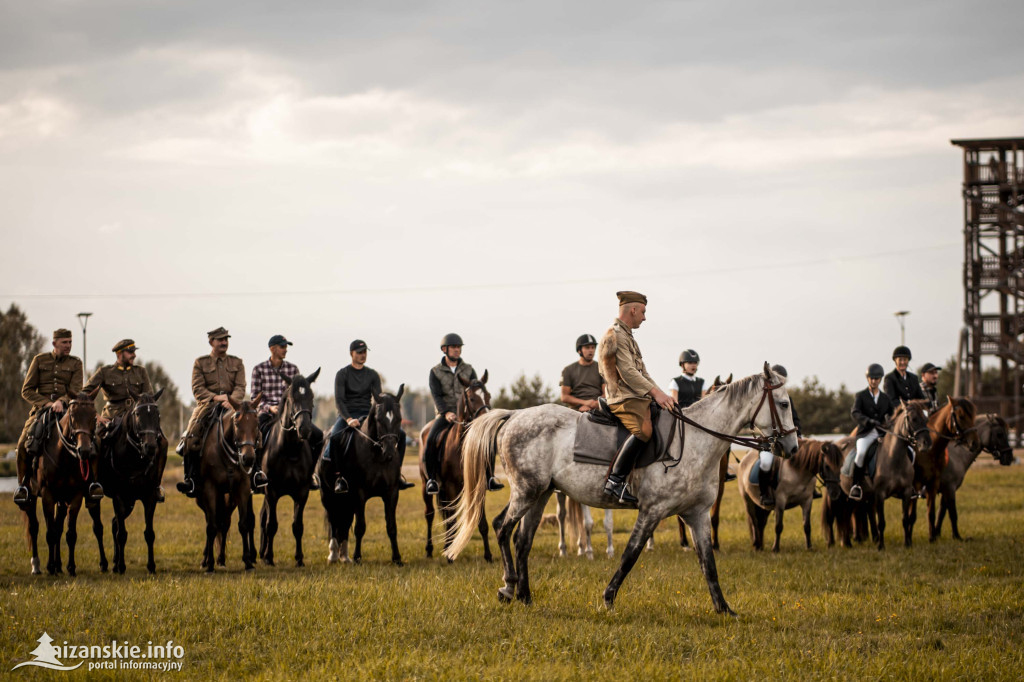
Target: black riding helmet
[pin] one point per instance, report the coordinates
(780, 370)
(901, 352)
(585, 340)
(451, 340)
(688, 355)
(875, 371)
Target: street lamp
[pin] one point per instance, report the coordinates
(83, 319)
(899, 318)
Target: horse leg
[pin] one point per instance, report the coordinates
(72, 534)
(779, 511)
(880, 513)
(428, 514)
(54, 529)
(527, 530)
(909, 517)
(224, 512)
(268, 521)
(954, 517)
(826, 523)
(298, 511)
(609, 526)
(700, 528)
(716, 508)
(645, 525)
(807, 523)
(97, 530)
(933, 532)
(482, 526)
(448, 517)
(504, 524)
(360, 529)
(683, 542)
(32, 521)
(560, 513)
(588, 529)
(391, 522)
(344, 527)
(247, 529)
(149, 507)
(942, 515)
(211, 535)
(119, 535)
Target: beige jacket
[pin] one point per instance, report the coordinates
(622, 365)
(218, 376)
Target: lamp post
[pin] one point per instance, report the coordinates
(900, 315)
(83, 319)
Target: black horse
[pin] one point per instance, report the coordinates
(287, 459)
(131, 466)
(373, 468)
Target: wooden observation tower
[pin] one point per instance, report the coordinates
(993, 191)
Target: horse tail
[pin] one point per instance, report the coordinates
(479, 448)
(574, 520)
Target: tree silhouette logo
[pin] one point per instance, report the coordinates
(46, 656)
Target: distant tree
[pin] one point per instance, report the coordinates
(991, 382)
(822, 410)
(524, 393)
(172, 410)
(19, 343)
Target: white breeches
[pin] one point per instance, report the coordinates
(863, 443)
(766, 458)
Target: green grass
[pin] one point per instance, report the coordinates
(939, 611)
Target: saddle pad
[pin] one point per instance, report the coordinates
(755, 472)
(870, 462)
(598, 444)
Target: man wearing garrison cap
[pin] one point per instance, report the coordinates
(216, 378)
(630, 389)
(54, 373)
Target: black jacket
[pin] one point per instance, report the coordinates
(689, 390)
(796, 418)
(896, 387)
(865, 409)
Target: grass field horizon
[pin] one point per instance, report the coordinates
(947, 610)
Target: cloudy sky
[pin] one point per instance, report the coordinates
(776, 177)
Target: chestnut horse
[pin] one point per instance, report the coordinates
(473, 401)
(952, 423)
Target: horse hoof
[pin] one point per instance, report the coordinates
(268, 562)
(450, 561)
(398, 562)
(525, 599)
(72, 572)
(357, 560)
(488, 558)
(249, 567)
(34, 563)
(505, 595)
(299, 563)
(151, 568)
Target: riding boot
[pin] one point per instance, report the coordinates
(816, 494)
(188, 486)
(856, 492)
(615, 486)
(404, 484)
(729, 476)
(492, 481)
(767, 492)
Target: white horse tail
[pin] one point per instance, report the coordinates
(574, 520)
(479, 448)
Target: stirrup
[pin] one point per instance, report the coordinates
(180, 447)
(856, 492)
(187, 487)
(616, 487)
(314, 482)
(431, 488)
(259, 479)
(493, 484)
(95, 491)
(341, 486)
(22, 495)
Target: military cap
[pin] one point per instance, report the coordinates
(218, 333)
(61, 334)
(123, 344)
(357, 345)
(279, 340)
(631, 297)
(928, 367)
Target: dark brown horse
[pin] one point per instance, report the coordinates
(950, 424)
(836, 508)
(288, 461)
(64, 469)
(473, 401)
(131, 467)
(993, 437)
(227, 457)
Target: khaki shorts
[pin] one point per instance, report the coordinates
(635, 415)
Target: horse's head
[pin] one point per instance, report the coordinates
(475, 399)
(143, 423)
(79, 424)
(910, 424)
(777, 419)
(245, 431)
(718, 384)
(297, 405)
(959, 420)
(994, 437)
(385, 423)
(831, 463)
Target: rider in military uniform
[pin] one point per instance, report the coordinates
(121, 382)
(899, 383)
(630, 389)
(215, 378)
(871, 409)
(444, 388)
(53, 380)
(582, 383)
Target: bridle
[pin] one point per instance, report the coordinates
(908, 437)
(484, 407)
(379, 444)
(233, 449)
(69, 440)
(135, 440)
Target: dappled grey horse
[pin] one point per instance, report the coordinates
(536, 449)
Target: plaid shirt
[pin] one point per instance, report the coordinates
(267, 378)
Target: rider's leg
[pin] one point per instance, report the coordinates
(863, 444)
(764, 465)
(259, 479)
(331, 468)
(188, 448)
(635, 415)
(26, 460)
(432, 455)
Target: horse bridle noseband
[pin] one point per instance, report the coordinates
(67, 440)
(232, 450)
(136, 440)
(476, 413)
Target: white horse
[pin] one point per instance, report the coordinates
(536, 446)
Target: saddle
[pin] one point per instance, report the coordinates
(111, 430)
(870, 461)
(600, 434)
(755, 473)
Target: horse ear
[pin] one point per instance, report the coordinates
(483, 379)
(312, 377)
(717, 381)
(159, 393)
(464, 381)
(728, 379)
(767, 370)
(401, 389)
(949, 401)
(286, 379)
(258, 399)
(903, 403)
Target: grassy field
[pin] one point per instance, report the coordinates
(948, 610)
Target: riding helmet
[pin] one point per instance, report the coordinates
(780, 370)
(875, 371)
(688, 355)
(901, 352)
(451, 340)
(585, 340)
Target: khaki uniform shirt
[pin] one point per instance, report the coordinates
(632, 380)
(49, 376)
(118, 384)
(218, 376)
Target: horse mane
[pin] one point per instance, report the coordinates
(276, 418)
(737, 391)
(808, 456)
